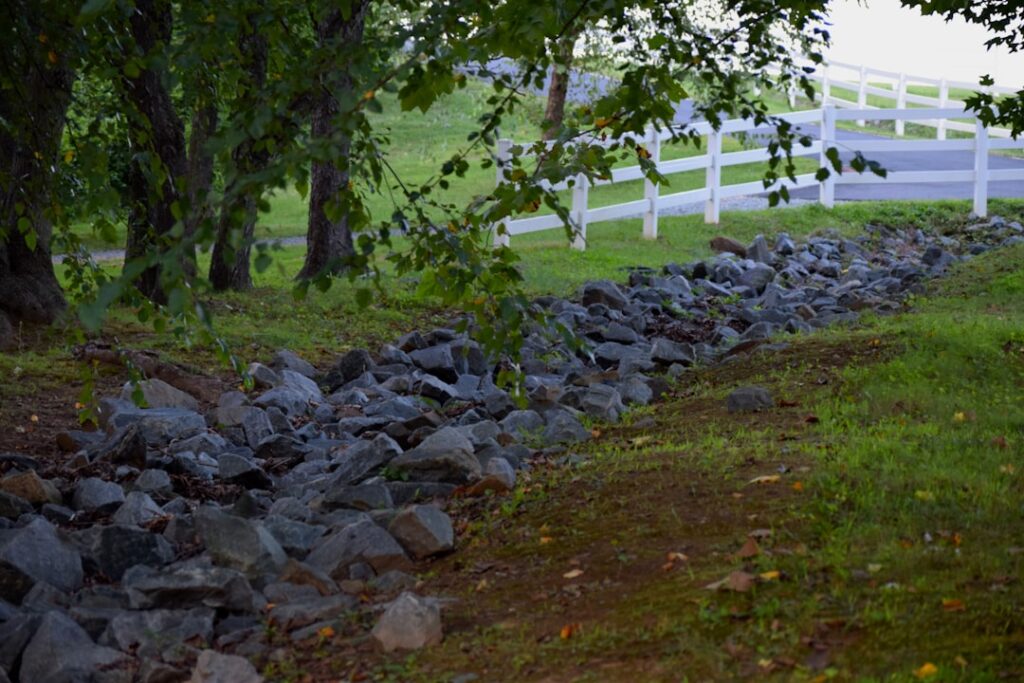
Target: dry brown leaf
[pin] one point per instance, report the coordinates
(739, 582)
(765, 479)
(573, 574)
(953, 605)
(749, 549)
(569, 630)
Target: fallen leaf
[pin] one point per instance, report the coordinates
(740, 582)
(765, 479)
(926, 496)
(677, 557)
(760, 533)
(749, 549)
(544, 540)
(953, 605)
(874, 568)
(573, 574)
(773, 575)
(798, 486)
(1000, 442)
(326, 632)
(926, 670)
(595, 432)
(788, 404)
(481, 585)
(1008, 468)
(641, 440)
(960, 661)
(569, 630)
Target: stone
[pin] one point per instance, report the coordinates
(293, 615)
(499, 471)
(423, 530)
(138, 509)
(757, 277)
(603, 402)
(604, 292)
(635, 391)
(437, 360)
(721, 244)
(31, 487)
(126, 447)
(363, 497)
(12, 507)
(667, 351)
(362, 541)
(409, 623)
(239, 543)
(96, 495)
(15, 633)
(187, 586)
(149, 633)
(747, 399)
(115, 549)
(35, 553)
(262, 376)
(563, 427)
(355, 363)
(62, 652)
(235, 469)
(522, 422)
(154, 482)
(364, 458)
(156, 393)
(295, 537)
(760, 251)
(160, 426)
(215, 667)
(290, 401)
(398, 408)
(290, 361)
(444, 456)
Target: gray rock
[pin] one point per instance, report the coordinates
(635, 391)
(423, 530)
(31, 487)
(564, 428)
(293, 615)
(214, 667)
(757, 277)
(498, 471)
(295, 537)
(362, 497)
(603, 402)
(35, 553)
(355, 363)
(604, 292)
(234, 469)
(747, 399)
(115, 549)
(364, 458)
(187, 586)
(137, 509)
(522, 422)
(15, 632)
(127, 446)
(290, 361)
(362, 541)
(95, 495)
(437, 360)
(287, 399)
(759, 251)
(62, 652)
(262, 376)
(155, 482)
(12, 507)
(160, 426)
(409, 623)
(398, 408)
(156, 393)
(239, 543)
(149, 633)
(667, 351)
(444, 456)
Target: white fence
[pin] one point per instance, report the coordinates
(893, 86)
(714, 160)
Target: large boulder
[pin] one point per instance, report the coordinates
(409, 623)
(444, 456)
(159, 426)
(35, 553)
(604, 292)
(62, 652)
(156, 393)
(364, 458)
(116, 548)
(187, 586)
(362, 541)
(239, 543)
(423, 530)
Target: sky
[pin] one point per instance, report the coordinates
(884, 35)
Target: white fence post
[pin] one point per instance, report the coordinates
(826, 87)
(579, 212)
(862, 93)
(714, 178)
(501, 237)
(980, 169)
(940, 125)
(827, 188)
(901, 102)
(651, 189)
(791, 94)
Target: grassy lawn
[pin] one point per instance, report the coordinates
(884, 497)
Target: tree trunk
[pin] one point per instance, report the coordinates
(229, 267)
(33, 110)
(159, 130)
(554, 113)
(200, 164)
(329, 242)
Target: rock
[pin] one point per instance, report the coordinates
(234, 469)
(522, 422)
(160, 426)
(603, 402)
(35, 553)
(747, 399)
(564, 428)
(294, 536)
(667, 351)
(760, 251)
(604, 292)
(62, 652)
(364, 458)
(362, 497)
(96, 495)
(301, 613)
(126, 447)
(290, 401)
(437, 360)
(635, 391)
(239, 543)
(187, 586)
(31, 487)
(138, 509)
(409, 623)
(354, 363)
(12, 507)
(149, 633)
(362, 541)
(262, 376)
(214, 667)
(423, 530)
(757, 277)
(115, 549)
(155, 482)
(156, 393)
(721, 244)
(15, 632)
(444, 456)
(498, 470)
(288, 360)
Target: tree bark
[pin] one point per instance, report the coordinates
(200, 163)
(229, 267)
(329, 242)
(33, 111)
(554, 113)
(159, 130)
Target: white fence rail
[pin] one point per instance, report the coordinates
(894, 87)
(713, 160)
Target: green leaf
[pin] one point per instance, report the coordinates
(93, 8)
(363, 297)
